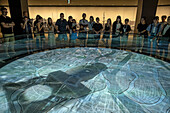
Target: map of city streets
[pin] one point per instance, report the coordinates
(85, 80)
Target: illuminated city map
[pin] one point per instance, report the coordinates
(85, 80)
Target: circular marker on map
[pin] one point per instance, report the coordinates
(37, 93)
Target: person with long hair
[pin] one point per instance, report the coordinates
(116, 32)
(141, 42)
(51, 35)
(106, 32)
(35, 27)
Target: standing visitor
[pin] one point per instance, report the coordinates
(61, 27)
(117, 30)
(7, 29)
(41, 34)
(165, 39)
(106, 32)
(91, 39)
(141, 42)
(83, 22)
(126, 30)
(153, 32)
(97, 27)
(51, 35)
(26, 26)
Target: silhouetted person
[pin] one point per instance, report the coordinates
(70, 19)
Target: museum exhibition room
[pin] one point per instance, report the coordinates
(84, 56)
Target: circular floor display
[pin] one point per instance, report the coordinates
(85, 80)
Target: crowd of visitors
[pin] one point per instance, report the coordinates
(156, 33)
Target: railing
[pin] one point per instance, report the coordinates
(22, 46)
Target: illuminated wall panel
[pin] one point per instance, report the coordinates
(76, 12)
(165, 10)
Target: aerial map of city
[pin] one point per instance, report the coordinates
(85, 80)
